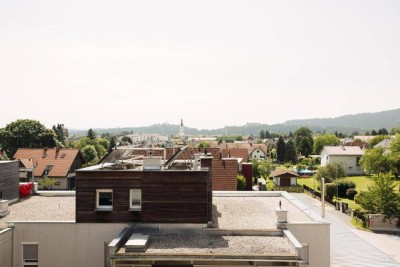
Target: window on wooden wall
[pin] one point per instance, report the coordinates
(135, 199)
(30, 254)
(104, 199)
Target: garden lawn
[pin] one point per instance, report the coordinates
(309, 181)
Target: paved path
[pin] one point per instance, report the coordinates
(352, 247)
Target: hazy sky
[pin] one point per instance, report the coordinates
(213, 63)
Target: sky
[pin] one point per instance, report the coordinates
(102, 64)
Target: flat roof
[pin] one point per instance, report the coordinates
(229, 212)
(41, 208)
(252, 212)
(199, 244)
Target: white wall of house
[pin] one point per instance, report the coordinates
(257, 154)
(317, 237)
(65, 244)
(6, 247)
(350, 163)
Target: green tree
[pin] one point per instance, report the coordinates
(290, 152)
(61, 133)
(204, 145)
(265, 167)
(241, 183)
(112, 144)
(280, 150)
(373, 132)
(47, 182)
(381, 197)
(267, 134)
(394, 156)
(91, 134)
(376, 161)
(126, 140)
(325, 140)
(331, 172)
(90, 155)
(304, 141)
(262, 134)
(26, 134)
(383, 131)
(103, 142)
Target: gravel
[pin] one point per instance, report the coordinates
(252, 212)
(39, 208)
(214, 244)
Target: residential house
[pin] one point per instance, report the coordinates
(284, 178)
(348, 156)
(57, 163)
(258, 153)
(384, 143)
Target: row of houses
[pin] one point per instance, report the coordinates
(136, 210)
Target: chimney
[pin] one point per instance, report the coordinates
(57, 151)
(44, 152)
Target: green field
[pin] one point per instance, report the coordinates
(362, 182)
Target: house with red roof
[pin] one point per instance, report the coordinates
(57, 163)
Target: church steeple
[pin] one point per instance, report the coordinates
(181, 130)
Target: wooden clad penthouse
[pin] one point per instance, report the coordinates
(145, 191)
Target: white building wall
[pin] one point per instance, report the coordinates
(349, 164)
(257, 154)
(317, 237)
(65, 244)
(6, 248)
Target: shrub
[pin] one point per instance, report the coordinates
(331, 172)
(241, 183)
(350, 193)
(343, 185)
(330, 190)
(358, 197)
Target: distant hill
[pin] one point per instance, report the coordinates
(346, 124)
(365, 121)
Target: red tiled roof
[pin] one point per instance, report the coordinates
(239, 153)
(62, 160)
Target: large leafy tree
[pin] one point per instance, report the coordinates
(91, 134)
(262, 134)
(394, 156)
(325, 140)
(381, 197)
(290, 152)
(280, 150)
(61, 132)
(376, 160)
(26, 134)
(304, 141)
(331, 172)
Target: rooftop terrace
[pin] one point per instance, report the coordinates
(40, 208)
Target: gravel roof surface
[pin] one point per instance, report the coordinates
(40, 208)
(214, 244)
(252, 212)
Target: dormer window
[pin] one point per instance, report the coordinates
(47, 170)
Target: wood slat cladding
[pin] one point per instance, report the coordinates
(9, 179)
(167, 196)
